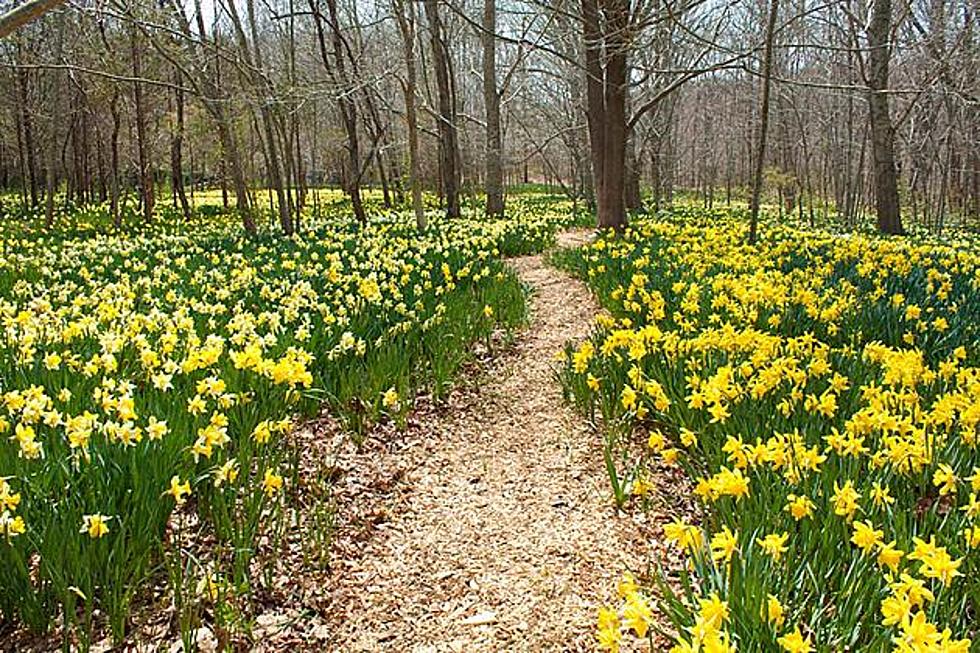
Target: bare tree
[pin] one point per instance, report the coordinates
(335, 63)
(606, 29)
(25, 13)
(882, 138)
(177, 151)
(602, 99)
(147, 184)
(202, 50)
(405, 16)
(760, 152)
(253, 56)
(448, 141)
(491, 103)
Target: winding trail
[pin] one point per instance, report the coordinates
(506, 539)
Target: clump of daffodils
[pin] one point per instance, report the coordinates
(822, 395)
(150, 379)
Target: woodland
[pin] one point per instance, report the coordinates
(490, 325)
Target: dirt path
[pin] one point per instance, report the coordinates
(506, 539)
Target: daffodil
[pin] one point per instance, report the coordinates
(794, 642)
(774, 545)
(271, 483)
(96, 525)
(179, 490)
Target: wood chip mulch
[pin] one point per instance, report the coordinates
(501, 535)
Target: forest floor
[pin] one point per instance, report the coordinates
(501, 534)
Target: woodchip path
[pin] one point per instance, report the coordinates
(506, 538)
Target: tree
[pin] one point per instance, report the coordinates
(25, 13)
(202, 50)
(334, 62)
(254, 60)
(177, 151)
(147, 185)
(606, 29)
(491, 102)
(601, 98)
(405, 16)
(446, 118)
(760, 152)
(54, 97)
(882, 133)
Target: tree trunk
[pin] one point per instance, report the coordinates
(491, 100)
(335, 64)
(383, 178)
(594, 99)
(448, 146)
(142, 147)
(51, 154)
(86, 151)
(406, 25)
(267, 132)
(614, 167)
(22, 162)
(300, 175)
(760, 153)
(30, 149)
(882, 136)
(208, 88)
(606, 44)
(114, 159)
(271, 139)
(233, 162)
(50, 181)
(54, 102)
(177, 154)
(4, 168)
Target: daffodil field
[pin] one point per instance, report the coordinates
(821, 392)
(150, 380)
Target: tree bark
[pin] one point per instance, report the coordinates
(114, 159)
(406, 25)
(614, 167)
(22, 161)
(142, 147)
(594, 98)
(491, 101)
(86, 151)
(633, 197)
(30, 149)
(606, 45)
(300, 176)
(760, 153)
(50, 179)
(177, 153)
(882, 136)
(448, 144)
